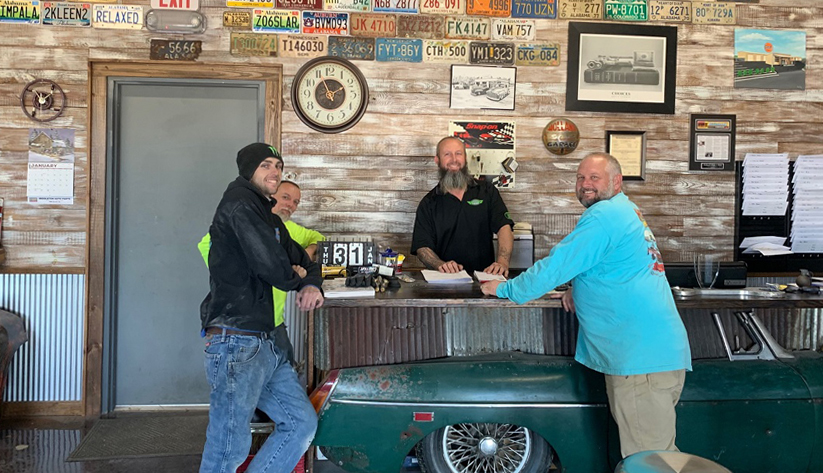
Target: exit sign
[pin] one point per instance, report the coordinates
(176, 4)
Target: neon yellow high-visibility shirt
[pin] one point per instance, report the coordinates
(302, 235)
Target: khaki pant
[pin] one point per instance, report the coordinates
(643, 408)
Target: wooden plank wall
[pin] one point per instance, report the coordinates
(370, 178)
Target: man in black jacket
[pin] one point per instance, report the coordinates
(252, 252)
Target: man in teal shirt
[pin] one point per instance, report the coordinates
(630, 329)
(287, 199)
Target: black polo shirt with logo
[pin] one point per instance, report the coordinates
(461, 230)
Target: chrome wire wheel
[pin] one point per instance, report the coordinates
(486, 448)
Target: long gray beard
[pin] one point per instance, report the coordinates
(454, 180)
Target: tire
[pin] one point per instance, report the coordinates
(508, 449)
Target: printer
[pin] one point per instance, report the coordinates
(523, 248)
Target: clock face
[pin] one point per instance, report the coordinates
(329, 94)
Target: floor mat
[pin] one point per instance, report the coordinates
(143, 437)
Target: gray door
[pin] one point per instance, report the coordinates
(171, 156)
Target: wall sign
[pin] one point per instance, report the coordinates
(581, 9)
(127, 17)
(490, 150)
(164, 49)
(468, 28)
(626, 10)
(66, 14)
(20, 11)
(304, 46)
(351, 48)
(325, 23)
(629, 147)
(711, 142)
(373, 25)
(546, 9)
(237, 19)
(491, 53)
(395, 6)
(445, 51)
(275, 21)
(420, 26)
(399, 50)
(538, 54)
(253, 44)
(443, 7)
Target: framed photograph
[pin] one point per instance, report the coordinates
(629, 147)
(625, 68)
(483, 87)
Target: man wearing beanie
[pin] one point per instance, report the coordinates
(251, 252)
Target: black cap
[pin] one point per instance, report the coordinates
(250, 157)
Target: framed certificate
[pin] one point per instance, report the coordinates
(629, 147)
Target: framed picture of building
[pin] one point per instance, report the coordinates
(769, 59)
(483, 87)
(625, 68)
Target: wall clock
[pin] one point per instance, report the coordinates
(329, 94)
(42, 100)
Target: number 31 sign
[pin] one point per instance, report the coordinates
(345, 253)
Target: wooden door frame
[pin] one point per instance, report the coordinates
(99, 73)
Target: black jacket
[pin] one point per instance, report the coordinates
(246, 260)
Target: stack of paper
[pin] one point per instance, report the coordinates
(486, 277)
(765, 245)
(337, 289)
(436, 277)
(807, 211)
(765, 184)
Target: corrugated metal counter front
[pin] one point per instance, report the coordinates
(421, 321)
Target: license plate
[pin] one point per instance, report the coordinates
(467, 28)
(581, 9)
(66, 14)
(19, 11)
(301, 46)
(253, 44)
(399, 50)
(491, 53)
(538, 54)
(534, 9)
(348, 47)
(395, 6)
(446, 52)
(373, 25)
(674, 11)
(124, 17)
(713, 13)
(420, 26)
(276, 21)
(299, 4)
(489, 7)
(325, 23)
(443, 7)
(626, 10)
(237, 19)
(164, 49)
(513, 29)
(347, 5)
(249, 4)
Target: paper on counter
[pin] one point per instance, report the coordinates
(436, 277)
(486, 277)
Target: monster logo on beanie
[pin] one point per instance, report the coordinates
(250, 157)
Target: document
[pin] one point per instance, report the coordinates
(807, 208)
(486, 277)
(436, 277)
(337, 289)
(751, 241)
(765, 184)
(768, 249)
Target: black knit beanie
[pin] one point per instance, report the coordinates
(250, 157)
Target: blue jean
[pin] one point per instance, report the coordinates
(245, 372)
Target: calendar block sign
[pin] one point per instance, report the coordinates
(345, 253)
(51, 166)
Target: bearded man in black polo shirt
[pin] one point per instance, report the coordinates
(455, 221)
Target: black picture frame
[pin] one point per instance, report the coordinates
(633, 164)
(475, 87)
(712, 142)
(613, 67)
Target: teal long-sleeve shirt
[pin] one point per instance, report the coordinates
(629, 322)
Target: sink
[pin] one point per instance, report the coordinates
(743, 293)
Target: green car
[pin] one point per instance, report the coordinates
(748, 405)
